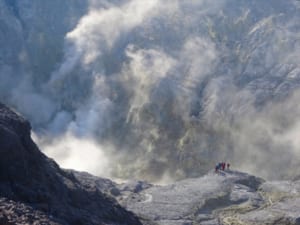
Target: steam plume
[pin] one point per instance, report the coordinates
(157, 89)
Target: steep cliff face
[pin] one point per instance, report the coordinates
(32, 35)
(34, 188)
(166, 87)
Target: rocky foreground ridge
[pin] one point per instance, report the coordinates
(34, 190)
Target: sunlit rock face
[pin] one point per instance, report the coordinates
(163, 89)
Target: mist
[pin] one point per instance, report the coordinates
(162, 89)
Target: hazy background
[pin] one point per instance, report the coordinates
(157, 89)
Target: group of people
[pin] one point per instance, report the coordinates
(222, 166)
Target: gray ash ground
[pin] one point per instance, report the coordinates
(226, 198)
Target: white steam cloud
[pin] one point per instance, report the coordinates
(158, 89)
(84, 154)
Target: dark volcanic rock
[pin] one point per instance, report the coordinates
(34, 183)
(12, 212)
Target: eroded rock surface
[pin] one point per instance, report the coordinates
(226, 198)
(229, 197)
(196, 200)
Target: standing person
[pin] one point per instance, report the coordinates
(223, 166)
(228, 166)
(217, 167)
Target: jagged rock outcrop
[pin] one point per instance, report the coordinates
(34, 190)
